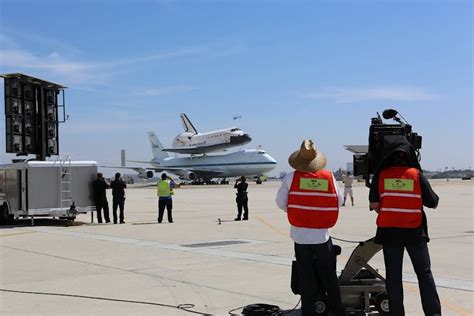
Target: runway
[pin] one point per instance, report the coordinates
(215, 265)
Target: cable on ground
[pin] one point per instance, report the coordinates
(184, 307)
(270, 310)
(349, 241)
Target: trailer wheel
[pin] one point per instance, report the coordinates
(67, 218)
(321, 307)
(381, 304)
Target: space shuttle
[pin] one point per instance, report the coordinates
(192, 142)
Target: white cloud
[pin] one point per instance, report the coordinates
(71, 71)
(54, 55)
(153, 92)
(350, 95)
(18, 60)
(37, 40)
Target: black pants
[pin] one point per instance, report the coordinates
(242, 203)
(101, 203)
(162, 204)
(118, 202)
(323, 257)
(420, 258)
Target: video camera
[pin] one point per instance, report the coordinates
(365, 164)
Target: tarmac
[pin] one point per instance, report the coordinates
(207, 259)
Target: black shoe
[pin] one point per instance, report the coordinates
(108, 221)
(159, 222)
(245, 219)
(170, 221)
(237, 219)
(122, 222)
(115, 222)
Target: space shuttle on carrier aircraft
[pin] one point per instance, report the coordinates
(192, 142)
(248, 162)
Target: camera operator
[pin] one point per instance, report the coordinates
(397, 193)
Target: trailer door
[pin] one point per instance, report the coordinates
(13, 189)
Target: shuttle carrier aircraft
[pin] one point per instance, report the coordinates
(248, 162)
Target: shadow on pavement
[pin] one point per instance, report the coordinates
(42, 222)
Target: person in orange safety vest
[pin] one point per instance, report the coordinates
(311, 198)
(398, 192)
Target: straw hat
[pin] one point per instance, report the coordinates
(307, 159)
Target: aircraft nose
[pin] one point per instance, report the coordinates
(247, 137)
(240, 140)
(273, 160)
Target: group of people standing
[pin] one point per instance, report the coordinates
(398, 192)
(99, 189)
(165, 191)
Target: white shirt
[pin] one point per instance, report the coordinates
(302, 235)
(347, 180)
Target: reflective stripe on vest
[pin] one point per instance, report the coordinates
(400, 198)
(314, 194)
(312, 200)
(164, 189)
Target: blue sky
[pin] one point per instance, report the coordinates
(292, 69)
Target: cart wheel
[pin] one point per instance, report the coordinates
(381, 304)
(321, 307)
(365, 275)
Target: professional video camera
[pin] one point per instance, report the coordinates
(365, 164)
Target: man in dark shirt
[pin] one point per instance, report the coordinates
(242, 199)
(396, 239)
(118, 192)
(99, 187)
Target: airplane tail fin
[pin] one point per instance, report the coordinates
(156, 147)
(187, 125)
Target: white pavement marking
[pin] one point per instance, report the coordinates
(217, 251)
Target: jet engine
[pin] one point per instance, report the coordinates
(145, 174)
(189, 176)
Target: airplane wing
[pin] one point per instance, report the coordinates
(200, 173)
(142, 171)
(206, 173)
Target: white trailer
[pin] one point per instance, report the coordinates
(61, 188)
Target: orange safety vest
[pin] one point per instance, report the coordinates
(400, 198)
(312, 200)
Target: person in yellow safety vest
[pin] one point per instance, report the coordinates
(311, 198)
(164, 190)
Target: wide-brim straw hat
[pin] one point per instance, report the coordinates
(307, 159)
